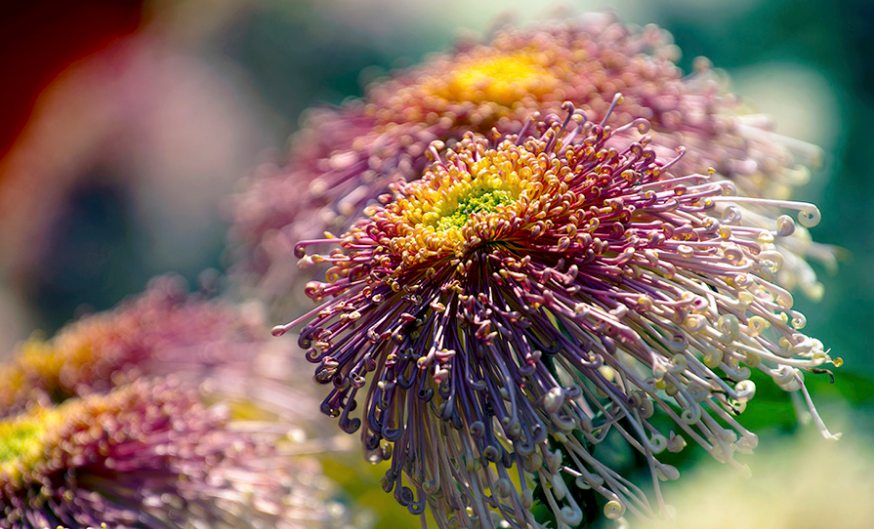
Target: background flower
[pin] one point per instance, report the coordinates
(222, 348)
(148, 455)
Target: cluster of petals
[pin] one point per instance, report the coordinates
(344, 158)
(148, 455)
(217, 345)
(487, 326)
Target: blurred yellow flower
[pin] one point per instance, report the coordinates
(813, 484)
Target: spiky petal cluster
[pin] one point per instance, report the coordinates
(346, 158)
(525, 298)
(217, 345)
(149, 456)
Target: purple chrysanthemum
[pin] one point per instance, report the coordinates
(221, 347)
(345, 158)
(493, 321)
(149, 456)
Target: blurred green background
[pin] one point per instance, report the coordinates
(127, 132)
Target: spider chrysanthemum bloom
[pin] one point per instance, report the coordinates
(221, 347)
(526, 297)
(149, 456)
(346, 158)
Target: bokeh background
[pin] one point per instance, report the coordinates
(125, 125)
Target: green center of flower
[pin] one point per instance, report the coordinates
(21, 439)
(481, 194)
(483, 201)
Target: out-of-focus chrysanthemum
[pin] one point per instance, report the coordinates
(346, 158)
(149, 456)
(808, 485)
(221, 347)
(526, 297)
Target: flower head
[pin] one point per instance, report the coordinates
(527, 296)
(346, 158)
(148, 455)
(211, 343)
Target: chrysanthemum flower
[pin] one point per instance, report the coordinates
(211, 343)
(526, 297)
(345, 158)
(148, 455)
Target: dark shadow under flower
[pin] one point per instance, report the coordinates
(530, 295)
(149, 456)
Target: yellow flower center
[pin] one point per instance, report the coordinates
(453, 209)
(42, 363)
(22, 440)
(503, 79)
